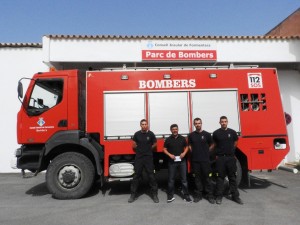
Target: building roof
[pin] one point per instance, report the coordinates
(18, 45)
(52, 36)
(140, 37)
(288, 27)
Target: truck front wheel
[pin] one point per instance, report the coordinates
(70, 176)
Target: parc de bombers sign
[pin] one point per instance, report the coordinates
(177, 50)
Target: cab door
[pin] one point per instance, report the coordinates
(45, 111)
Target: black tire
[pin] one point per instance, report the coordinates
(70, 176)
(239, 172)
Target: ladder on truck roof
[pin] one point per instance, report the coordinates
(231, 66)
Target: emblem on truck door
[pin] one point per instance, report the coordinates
(41, 122)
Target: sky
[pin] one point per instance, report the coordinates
(27, 21)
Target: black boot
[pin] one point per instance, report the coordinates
(132, 198)
(155, 198)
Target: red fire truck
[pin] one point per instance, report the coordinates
(78, 125)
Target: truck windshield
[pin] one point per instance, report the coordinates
(46, 94)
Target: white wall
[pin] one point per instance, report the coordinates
(289, 81)
(85, 50)
(124, 50)
(257, 50)
(15, 64)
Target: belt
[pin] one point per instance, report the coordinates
(225, 155)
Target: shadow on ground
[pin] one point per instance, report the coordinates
(38, 190)
(123, 188)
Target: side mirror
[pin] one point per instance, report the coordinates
(40, 102)
(20, 89)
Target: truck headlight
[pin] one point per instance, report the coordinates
(279, 143)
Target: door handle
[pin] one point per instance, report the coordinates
(63, 123)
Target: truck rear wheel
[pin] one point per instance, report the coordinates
(239, 172)
(70, 176)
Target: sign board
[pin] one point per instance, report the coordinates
(178, 50)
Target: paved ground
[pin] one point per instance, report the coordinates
(273, 198)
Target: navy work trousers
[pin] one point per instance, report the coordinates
(202, 171)
(226, 165)
(143, 163)
(172, 168)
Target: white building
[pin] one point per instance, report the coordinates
(96, 52)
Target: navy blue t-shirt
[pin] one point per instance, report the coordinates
(144, 141)
(200, 142)
(174, 145)
(225, 140)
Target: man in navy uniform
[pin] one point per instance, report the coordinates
(175, 147)
(200, 142)
(144, 142)
(225, 142)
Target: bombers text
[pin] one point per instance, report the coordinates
(157, 84)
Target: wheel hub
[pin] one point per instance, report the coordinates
(69, 176)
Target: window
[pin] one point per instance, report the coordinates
(123, 112)
(168, 108)
(210, 105)
(253, 102)
(46, 94)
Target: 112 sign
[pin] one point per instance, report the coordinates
(255, 80)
